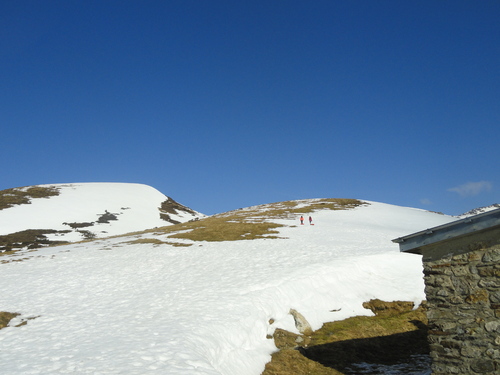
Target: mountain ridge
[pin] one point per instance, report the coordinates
(27, 225)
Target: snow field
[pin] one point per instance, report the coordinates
(203, 309)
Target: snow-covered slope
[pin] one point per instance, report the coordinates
(480, 210)
(93, 209)
(146, 305)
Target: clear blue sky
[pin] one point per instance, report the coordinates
(228, 104)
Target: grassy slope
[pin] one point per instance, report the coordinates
(250, 223)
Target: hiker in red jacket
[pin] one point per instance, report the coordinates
(310, 220)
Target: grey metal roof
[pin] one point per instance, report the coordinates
(456, 228)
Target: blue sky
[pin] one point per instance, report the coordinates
(228, 104)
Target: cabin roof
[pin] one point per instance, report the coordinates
(469, 225)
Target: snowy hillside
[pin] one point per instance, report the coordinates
(88, 210)
(480, 210)
(168, 302)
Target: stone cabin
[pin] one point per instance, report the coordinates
(461, 263)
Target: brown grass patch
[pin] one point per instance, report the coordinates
(5, 318)
(172, 207)
(156, 241)
(222, 229)
(386, 338)
(292, 362)
(290, 209)
(369, 326)
(16, 196)
(30, 238)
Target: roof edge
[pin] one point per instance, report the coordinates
(453, 229)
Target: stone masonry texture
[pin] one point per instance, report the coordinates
(463, 299)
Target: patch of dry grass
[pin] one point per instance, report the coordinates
(5, 318)
(335, 346)
(30, 238)
(227, 229)
(290, 209)
(292, 362)
(172, 207)
(213, 228)
(369, 326)
(156, 241)
(16, 196)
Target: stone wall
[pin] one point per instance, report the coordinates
(463, 298)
